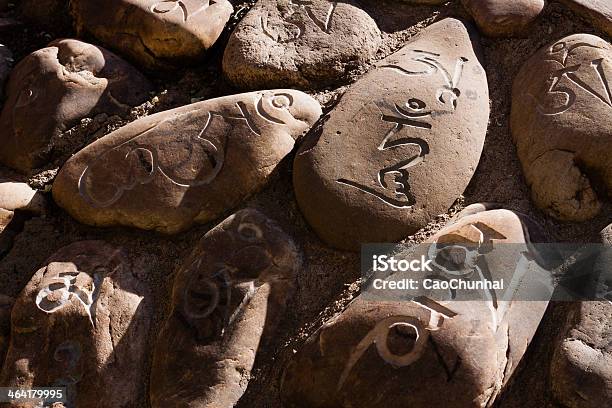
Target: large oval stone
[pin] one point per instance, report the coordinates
(418, 353)
(59, 85)
(155, 33)
(561, 120)
(300, 43)
(402, 144)
(228, 298)
(82, 323)
(190, 164)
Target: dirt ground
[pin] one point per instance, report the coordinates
(327, 281)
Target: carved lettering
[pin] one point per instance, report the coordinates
(187, 8)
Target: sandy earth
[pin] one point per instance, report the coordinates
(327, 281)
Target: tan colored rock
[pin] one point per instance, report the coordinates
(155, 33)
(20, 196)
(581, 371)
(381, 353)
(401, 145)
(561, 120)
(302, 43)
(81, 322)
(599, 12)
(190, 164)
(6, 304)
(228, 297)
(503, 18)
(59, 85)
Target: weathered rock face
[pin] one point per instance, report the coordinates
(299, 43)
(82, 323)
(402, 144)
(561, 120)
(6, 63)
(599, 12)
(59, 85)
(156, 34)
(581, 372)
(186, 165)
(417, 353)
(500, 18)
(227, 300)
(6, 304)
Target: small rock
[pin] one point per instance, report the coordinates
(19, 196)
(82, 323)
(158, 34)
(561, 119)
(227, 300)
(300, 43)
(503, 18)
(59, 85)
(190, 164)
(401, 145)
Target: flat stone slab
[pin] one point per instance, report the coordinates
(503, 18)
(59, 85)
(401, 145)
(158, 34)
(418, 353)
(82, 323)
(190, 164)
(599, 12)
(302, 43)
(561, 120)
(228, 298)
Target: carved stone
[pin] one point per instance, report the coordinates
(303, 43)
(402, 144)
(503, 18)
(82, 323)
(190, 164)
(227, 299)
(158, 34)
(561, 119)
(418, 353)
(599, 12)
(59, 85)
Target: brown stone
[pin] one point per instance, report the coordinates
(581, 371)
(228, 298)
(381, 353)
(82, 323)
(303, 43)
(59, 85)
(599, 12)
(561, 119)
(503, 18)
(190, 164)
(401, 145)
(155, 33)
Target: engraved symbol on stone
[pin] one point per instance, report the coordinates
(188, 8)
(411, 327)
(560, 53)
(323, 24)
(283, 33)
(395, 178)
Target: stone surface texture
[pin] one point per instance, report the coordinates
(81, 323)
(302, 43)
(228, 298)
(598, 12)
(400, 146)
(503, 18)
(561, 119)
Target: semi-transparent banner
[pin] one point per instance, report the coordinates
(494, 272)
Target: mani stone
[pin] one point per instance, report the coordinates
(158, 34)
(599, 12)
(402, 144)
(82, 323)
(417, 353)
(500, 18)
(301, 43)
(581, 372)
(561, 119)
(52, 89)
(227, 300)
(190, 164)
